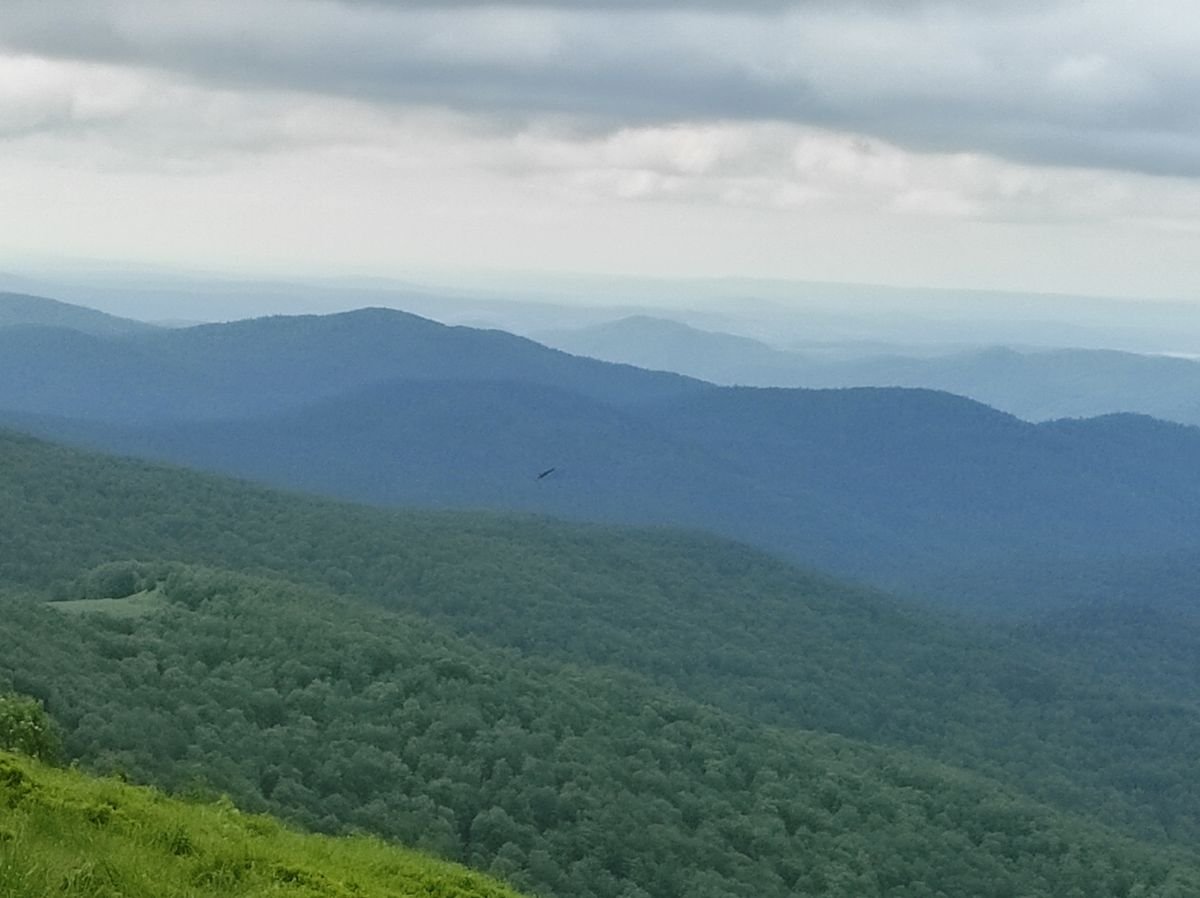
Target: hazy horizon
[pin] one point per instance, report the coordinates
(786, 314)
(1034, 148)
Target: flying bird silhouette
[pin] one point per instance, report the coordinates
(546, 473)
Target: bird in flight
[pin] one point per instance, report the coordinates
(546, 473)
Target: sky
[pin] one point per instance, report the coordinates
(1036, 146)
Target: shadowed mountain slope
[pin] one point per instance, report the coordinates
(918, 490)
(921, 462)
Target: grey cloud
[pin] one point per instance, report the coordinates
(729, 6)
(1066, 84)
(733, 7)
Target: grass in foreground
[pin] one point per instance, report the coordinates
(65, 834)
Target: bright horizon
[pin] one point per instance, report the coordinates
(1038, 148)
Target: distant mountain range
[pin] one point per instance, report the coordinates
(1037, 385)
(269, 364)
(917, 490)
(786, 314)
(22, 310)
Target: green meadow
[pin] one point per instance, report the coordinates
(69, 835)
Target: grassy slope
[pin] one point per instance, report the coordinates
(69, 835)
(133, 606)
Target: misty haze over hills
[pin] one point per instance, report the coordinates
(22, 310)
(855, 318)
(918, 490)
(1038, 385)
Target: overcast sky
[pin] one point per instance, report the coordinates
(1022, 145)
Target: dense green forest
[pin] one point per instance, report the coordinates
(559, 779)
(719, 622)
(580, 710)
(69, 835)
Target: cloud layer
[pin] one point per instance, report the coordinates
(1107, 83)
(1046, 144)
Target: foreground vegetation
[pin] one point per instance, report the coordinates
(68, 835)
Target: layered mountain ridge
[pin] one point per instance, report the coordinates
(1035, 384)
(915, 490)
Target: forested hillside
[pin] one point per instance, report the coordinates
(916, 491)
(566, 781)
(588, 648)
